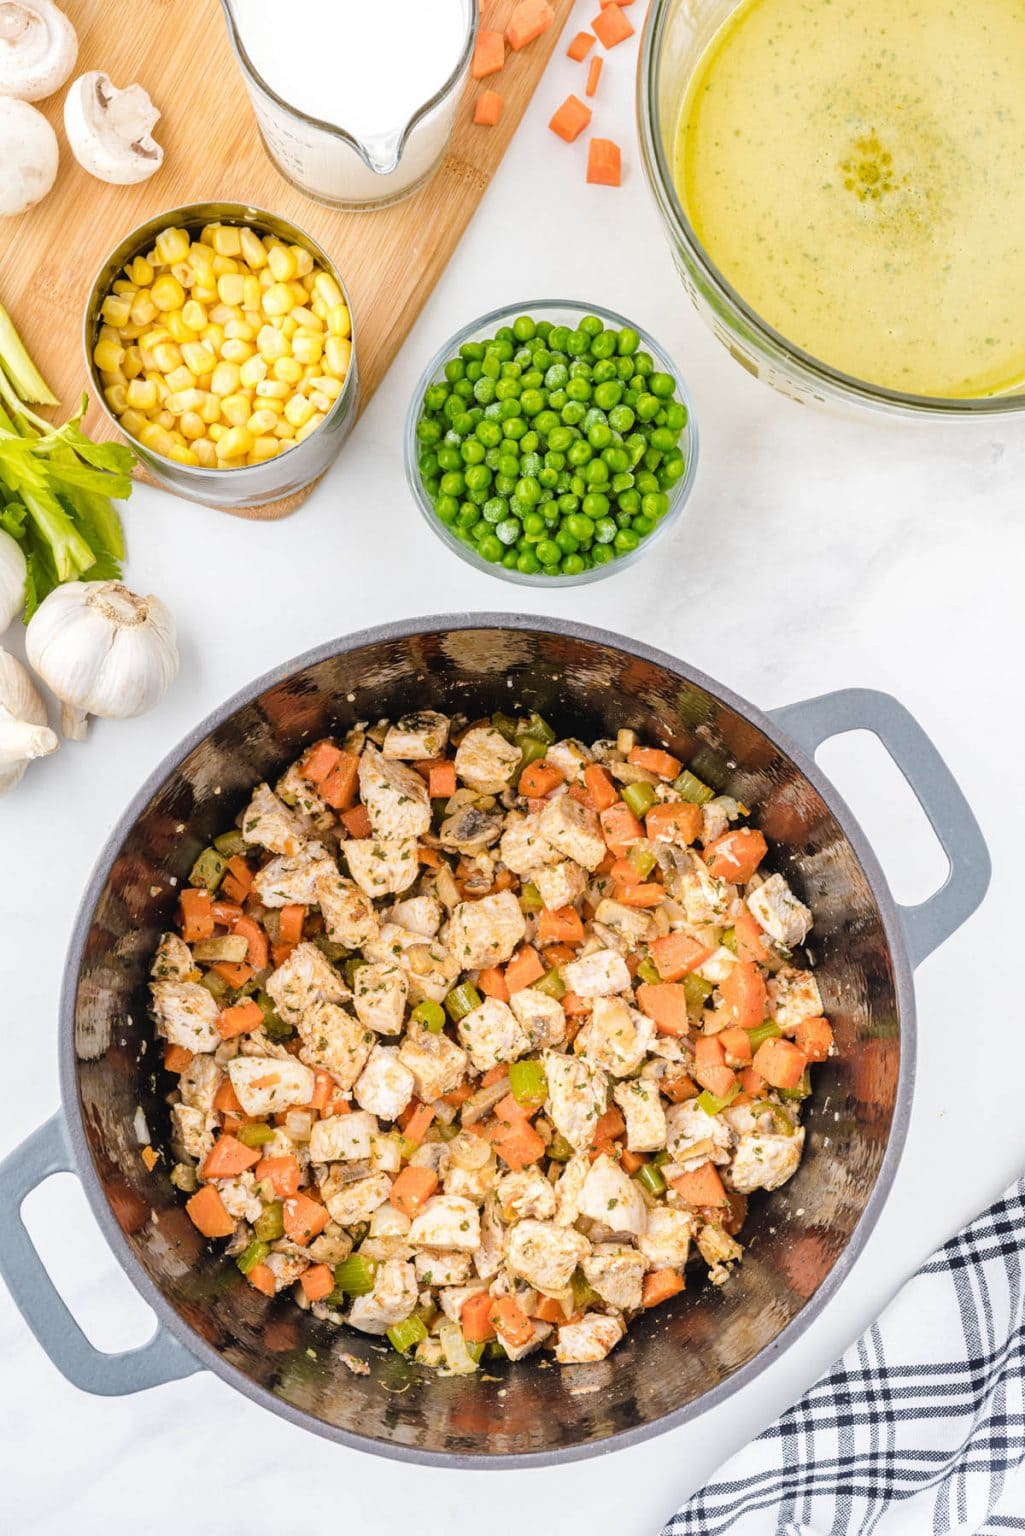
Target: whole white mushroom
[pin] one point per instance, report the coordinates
(38, 48)
(111, 131)
(28, 156)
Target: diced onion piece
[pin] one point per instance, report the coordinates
(457, 1357)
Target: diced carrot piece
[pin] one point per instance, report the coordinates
(703, 1186)
(488, 54)
(673, 823)
(475, 1318)
(580, 47)
(356, 821)
(710, 1068)
(197, 915)
(226, 1099)
(600, 787)
(339, 788)
(570, 120)
(228, 1158)
(677, 1086)
(736, 855)
(280, 953)
(548, 1310)
(780, 1063)
(282, 1173)
(458, 1096)
(529, 19)
(609, 1125)
(323, 1090)
(206, 1211)
(736, 1043)
(512, 1111)
(231, 887)
(429, 856)
(561, 926)
(578, 793)
(815, 1038)
(234, 975)
(631, 1162)
(647, 894)
(524, 967)
(259, 946)
(337, 1104)
(317, 1282)
(304, 1218)
(593, 75)
(441, 781)
(620, 3)
(624, 873)
(149, 1158)
(261, 1278)
(620, 828)
(290, 923)
(574, 1006)
(488, 110)
(677, 954)
(176, 1058)
(491, 982)
(241, 872)
(412, 1188)
(317, 761)
(610, 26)
(227, 913)
(659, 1285)
(494, 1074)
(604, 163)
(744, 995)
(518, 1145)
(666, 1003)
(753, 1082)
(418, 1124)
(511, 1322)
(750, 938)
(654, 760)
(240, 1019)
(539, 779)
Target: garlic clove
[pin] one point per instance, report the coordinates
(24, 733)
(13, 571)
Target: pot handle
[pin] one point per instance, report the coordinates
(162, 1358)
(813, 721)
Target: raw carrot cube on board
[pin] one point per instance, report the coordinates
(488, 54)
(580, 47)
(571, 119)
(528, 20)
(610, 26)
(593, 76)
(620, 3)
(488, 109)
(604, 165)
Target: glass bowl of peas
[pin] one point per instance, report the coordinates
(551, 441)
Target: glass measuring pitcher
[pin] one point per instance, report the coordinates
(324, 94)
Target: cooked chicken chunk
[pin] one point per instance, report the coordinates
(395, 797)
(349, 916)
(544, 1254)
(523, 849)
(173, 960)
(576, 1096)
(305, 978)
(295, 789)
(239, 1197)
(561, 885)
(718, 1249)
(597, 975)
(571, 757)
(666, 1242)
(269, 823)
(526, 1193)
(336, 1042)
(569, 1188)
(418, 914)
(492, 1033)
(438, 1267)
(610, 1196)
(431, 970)
(385, 1085)
(486, 932)
(192, 1130)
(765, 1161)
(380, 867)
(693, 1137)
(517, 1351)
(447, 1221)
(589, 1340)
(543, 1017)
(199, 1082)
(266, 1085)
(485, 760)
(437, 1064)
(391, 1301)
(355, 1202)
(779, 912)
(286, 880)
(379, 995)
(703, 897)
(342, 1138)
(617, 1037)
(616, 1272)
(185, 1014)
(793, 996)
(641, 1103)
(574, 831)
(417, 736)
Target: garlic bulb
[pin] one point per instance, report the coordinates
(103, 650)
(12, 579)
(24, 733)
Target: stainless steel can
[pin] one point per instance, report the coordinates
(250, 485)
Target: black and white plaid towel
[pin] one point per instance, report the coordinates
(918, 1430)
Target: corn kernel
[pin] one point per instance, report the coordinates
(271, 344)
(224, 266)
(185, 400)
(303, 260)
(273, 389)
(325, 287)
(153, 436)
(234, 444)
(167, 293)
(207, 234)
(305, 319)
(176, 326)
(111, 376)
(251, 292)
(132, 365)
(263, 448)
(115, 310)
(226, 240)
(307, 282)
(309, 427)
(222, 314)
(230, 288)
(307, 347)
(337, 356)
(287, 369)
(132, 422)
(216, 431)
(326, 385)
(180, 378)
(252, 371)
(191, 424)
(124, 288)
(182, 270)
(261, 422)
(282, 262)
(194, 315)
(298, 410)
(252, 247)
(278, 299)
(143, 309)
(339, 320)
(213, 335)
(182, 454)
(236, 410)
(172, 245)
(142, 394)
(235, 351)
(199, 358)
(167, 355)
(201, 256)
(319, 400)
(205, 293)
(117, 398)
(224, 380)
(108, 355)
(164, 419)
(239, 330)
(288, 327)
(210, 410)
(265, 277)
(284, 430)
(270, 403)
(205, 452)
(140, 272)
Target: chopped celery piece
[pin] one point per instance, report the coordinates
(430, 1015)
(406, 1335)
(355, 1277)
(216, 985)
(662, 1157)
(270, 1224)
(778, 1113)
(652, 1180)
(528, 1083)
(183, 1177)
(642, 859)
(273, 1024)
(559, 1149)
(583, 1294)
(552, 984)
(640, 798)
(712, 1103)
(208, 869)
(446, 1132)
(330, 949)
(536, 729)
(255, 1135)
(693, 789)
(729, 940)
(802, 1090)
(766, 1031)
(505, 725)
(697, 991)
(530, 898)
(407, 1148)
(254, 1253)
(461, 1001)
(231, 845)
(28, 382)
(352, 965)
(648, 971)
(475, 1350)
(531, 751)
(494, 1349)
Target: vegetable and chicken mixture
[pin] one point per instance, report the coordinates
(477, 1031)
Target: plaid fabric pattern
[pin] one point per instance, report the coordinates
(918, 1430)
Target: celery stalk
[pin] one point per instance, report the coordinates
(19, 367)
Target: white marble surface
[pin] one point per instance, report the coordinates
(857, 552)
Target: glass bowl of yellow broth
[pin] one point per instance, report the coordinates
(843, 184)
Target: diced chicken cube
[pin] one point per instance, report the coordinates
(716, 817)
(385, 1153)
(517, 1351)
(342, 1138)
(569, 1189)
(286, 880)
(571, 757)
(305, 978)
(576, 1096)
(486, 932)
(475, 1183)
(600, 974)
(417, 736)
(631, 925)
(666, 1243)
(265, 1085)
(440, 1267)
(446, 1221)
(355, 1202)
(296, 791)
(778, 911)
(574, 831)
(523, 849)
(192, 1130)
(704, 898)
(718, 965)
(544, 1254)
(385, 1085)
(199, 1083)
(418, 914)
(436, 1063)
(641, 1103)
(718, 1249)
(617, 1037)
(395, 797)
(543, 1017)
(382, 867)
(185, 1014)
(286, 1268)
(431, 970)
(765, 1161)
(694, 1137)
(526, 1193)
(485, 760)
(588, 1341)
(610, 1196)
(336, 1042)
(173, 960)
(793, 996)
(561, 885)
(454, 1298)
(616, 1272)
(379, 995)
(489, 1254)
(349, 916)
(391, 1301)
(239, 1197)
(388, 1222)
(492, 1033)
(269, 823)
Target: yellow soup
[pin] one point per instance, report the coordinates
(856, 169)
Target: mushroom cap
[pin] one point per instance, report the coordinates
(28, 156)
(110, 130)
(38, 48)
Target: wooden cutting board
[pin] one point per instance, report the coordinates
(179, 51)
